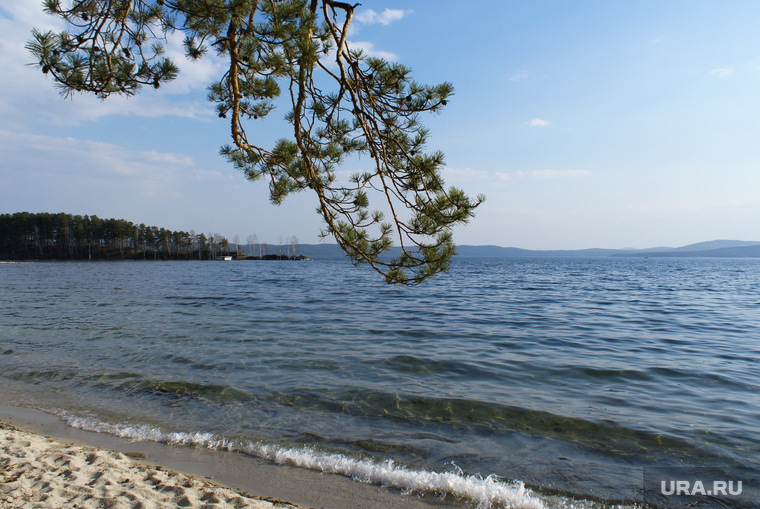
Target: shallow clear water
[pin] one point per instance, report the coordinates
(569, 375)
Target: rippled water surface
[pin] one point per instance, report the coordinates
(567, 374)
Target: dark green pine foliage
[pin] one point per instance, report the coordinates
(341, 104)
(44, 236)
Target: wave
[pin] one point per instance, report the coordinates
(604, 437)
(598, 437)
(486, 492)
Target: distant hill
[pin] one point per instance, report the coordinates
(317, 251)
(747, 251)
(514, 252)
(713, 248)
(716, 244)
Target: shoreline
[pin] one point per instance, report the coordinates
(41, 472)
(187, 473)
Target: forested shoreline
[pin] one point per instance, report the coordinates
(62, 236)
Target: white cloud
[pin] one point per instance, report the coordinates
(69, 162)
(722, 72)
(25, 14)
(538, 122)
(194, 75)
(369, 50)
(386, 17)
(519, 76)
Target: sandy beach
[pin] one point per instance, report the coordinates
(41, 472)
(44, 464)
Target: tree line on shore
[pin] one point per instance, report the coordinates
(62, 236)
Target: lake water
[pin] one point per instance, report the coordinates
(567, 375)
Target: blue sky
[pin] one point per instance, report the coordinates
(585, 124)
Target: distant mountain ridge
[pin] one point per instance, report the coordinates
(709, 249)
(744, 250)
(716, 244)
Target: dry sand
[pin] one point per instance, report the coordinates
(40, 472)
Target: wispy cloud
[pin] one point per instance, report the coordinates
(146, 174)
(553, 174)
(470, 174)
(722, 72)
(538, 122)
(462, 174)
(519, 76)
(388, 16)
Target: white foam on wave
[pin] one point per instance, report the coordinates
(487, 492)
